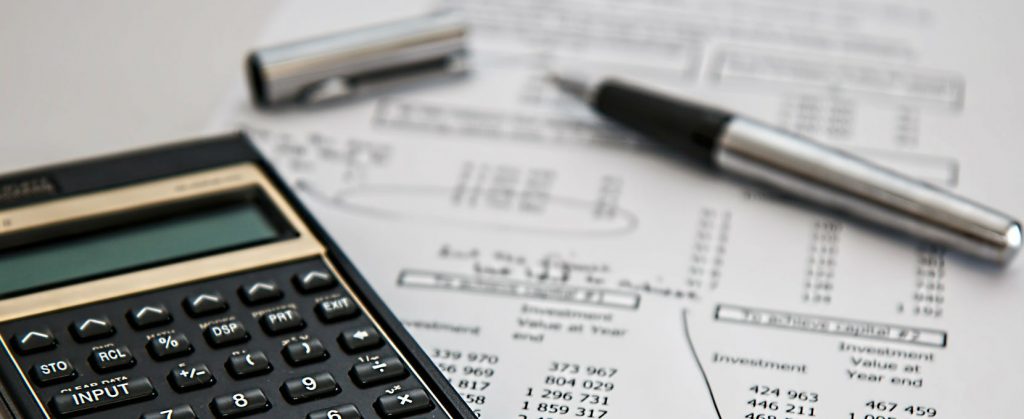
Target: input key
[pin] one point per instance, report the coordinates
(102, 397)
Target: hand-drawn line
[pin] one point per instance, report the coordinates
(354, 200)
(693, 351)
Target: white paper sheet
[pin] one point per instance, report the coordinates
(556, 267)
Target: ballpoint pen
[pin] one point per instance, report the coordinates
(801, 167)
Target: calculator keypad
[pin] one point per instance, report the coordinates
(235, 346)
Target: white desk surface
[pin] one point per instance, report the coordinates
(86, 78)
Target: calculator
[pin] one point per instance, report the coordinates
(187, 281)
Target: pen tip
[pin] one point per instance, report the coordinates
(574, 84)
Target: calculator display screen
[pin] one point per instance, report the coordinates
(168, 238)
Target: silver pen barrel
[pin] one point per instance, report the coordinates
(853, 185)
(359, 61)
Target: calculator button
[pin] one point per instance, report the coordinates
(112, 358)
(310, 387)
(169, 346)
(179, 412)
(347, 411)
(205, 304)
(149, 316)
(109, 395)
(240, 404)
(260, 292)
(92, 328)
(336, 309)
(283, 321)
(403, 403)
(376, 372)
(34, 341)
(248, 365)
(58, 371)
(357, 340)
(224, 334)
(190, 377)
(313, 281)
(304, 352)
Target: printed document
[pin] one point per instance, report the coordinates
(555, 265)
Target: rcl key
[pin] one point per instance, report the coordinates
(110, 359)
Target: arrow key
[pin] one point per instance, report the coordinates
(359, 339)
(34, 341)
(205, 303)
(92, 328)
(260, 292)
(313, 281)
(149, 316)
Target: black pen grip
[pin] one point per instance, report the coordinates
(691, 129)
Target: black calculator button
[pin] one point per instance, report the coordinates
(111, 358)
(360, 339)
(224, 334)
(336, 309)
(310, 387)
(92, 328)
(347, 411)
(178, 412)
(248, 365)
(284, 321)
(238, 404)
(403, 403)
(260, 292)
(314, 281)
(88, 400)
(169, 346)
(205, 304)
(59, 371)
(378, 371)
(190, 377)
(149, 316)
(34, 341)
(304, 352)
